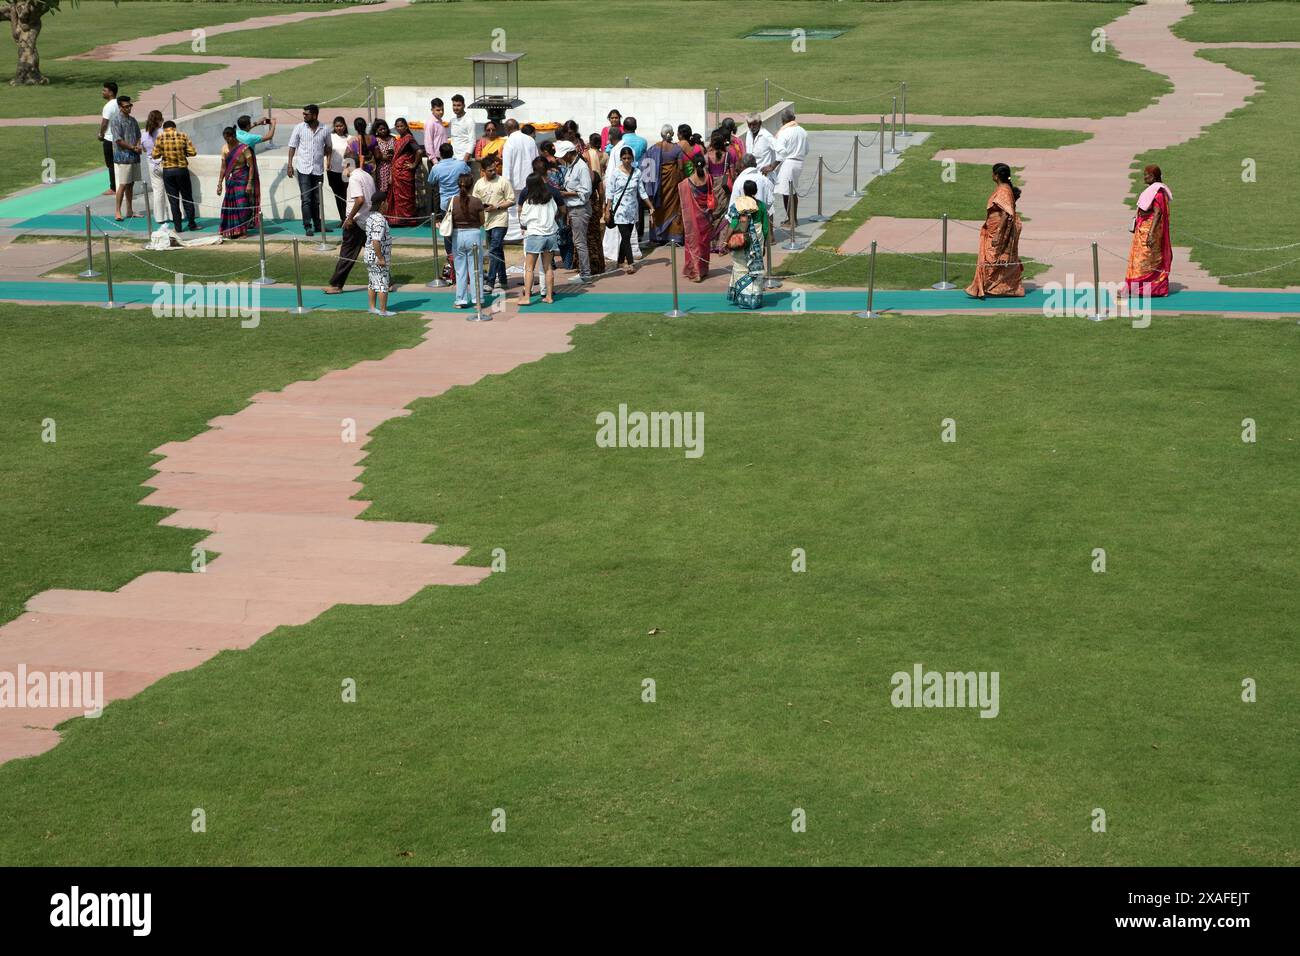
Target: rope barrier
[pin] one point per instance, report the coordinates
(821, 99)
(1216, 245)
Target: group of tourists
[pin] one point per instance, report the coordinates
(586, 199)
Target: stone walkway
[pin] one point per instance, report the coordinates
(1079, 193)
(274, 483)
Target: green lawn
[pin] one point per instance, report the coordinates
(1215, 22)
(942, 52)
(1118, 690)
(1211, 202)
(74, 84)
(822, 267)
(74, 149)
(118, 386)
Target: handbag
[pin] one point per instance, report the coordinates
(739, 237)
(609, 220)
(446, 226)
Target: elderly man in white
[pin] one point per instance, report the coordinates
(748, 171)
(761, 144)
(517, 157)
(791, 148)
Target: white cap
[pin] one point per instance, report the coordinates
(563, 148)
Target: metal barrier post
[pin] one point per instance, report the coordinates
(173, 106)
(478, 277)
(324, 244)
(438, 282)
(820, 217)
(627, 81)
(297, 282)
(261, 249)
(108, 277)
(148, 202)
(854, 193)
(767, 101)
(943, 285)
(1098, 312)
(871, 287)
(717, 107)
(771, 282)
(89, 272)
(904, 132)
(880, 171)
(676, 313)
(893, 129)
(237, 89)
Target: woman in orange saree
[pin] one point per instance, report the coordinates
(999, 270)
(1151, 255)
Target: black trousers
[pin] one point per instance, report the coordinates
(624, 243)
(340, 190)
(354, 239)
(180, 197)
(108, 161)
(309, 192)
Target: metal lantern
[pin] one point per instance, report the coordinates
(496, 83)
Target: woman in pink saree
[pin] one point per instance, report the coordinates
(1151, 254)
(697, 205)
(999, 269)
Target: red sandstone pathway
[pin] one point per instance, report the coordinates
(196, 91)
(274, 483)
(1079, 193)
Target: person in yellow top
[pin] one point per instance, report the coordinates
(490, 143)
(174, 148)
(497, 196)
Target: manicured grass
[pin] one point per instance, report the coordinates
(953, 56)
(1118, 690)
(1218, 22)
(74, 84)
(822, 267)
(74, 150)
(118, 386)
(1211, 202)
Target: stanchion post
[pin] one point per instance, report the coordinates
(676, 313)
(478, 276)
(238, 93)
(881, 136)
(893, 130)
(717, 107)
(262, 279)
(943, 285)
(89, 272)
(821, 167)
(771, 282)
(767, 100)
(437, 282)
(871, 287)
(627, 82)
(1098, 312)
(300, 309)
(854, 193)
(173, 106)
(148, 202)
(108, 277)
(324, 244)
(904, 133)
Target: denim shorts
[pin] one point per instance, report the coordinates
(536, 244)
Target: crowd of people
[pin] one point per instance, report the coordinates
(586, 199)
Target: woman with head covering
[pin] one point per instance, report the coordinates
(1151, 254)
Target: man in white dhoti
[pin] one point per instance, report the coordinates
(517, 157)
(761, 144)
(791, 148)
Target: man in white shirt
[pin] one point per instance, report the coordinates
(109, 92)
(517, 157)
(791, 148)
(361, 188)
(309, 149)
(761, 144)
(461, 131)
(577, 200)
(748, 171)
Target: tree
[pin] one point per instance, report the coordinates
(24, 18)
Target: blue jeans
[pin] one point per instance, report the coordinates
(496, 272)
(466, 249)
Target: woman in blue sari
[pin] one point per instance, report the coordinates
(748, 217)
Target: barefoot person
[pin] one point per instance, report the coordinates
(379, 256)
(541, 236)
(1151, 254)
(999, 269)
(125, 131)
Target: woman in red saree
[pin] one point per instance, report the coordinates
(999, 269)
(695, 195)
(1151, 255)
(238, 189)
(400, 209)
